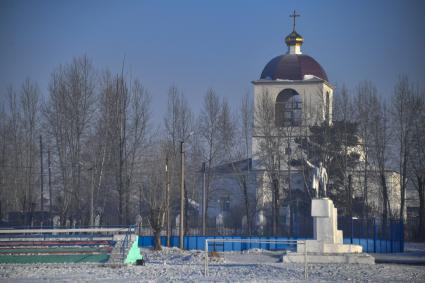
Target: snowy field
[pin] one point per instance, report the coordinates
(173, 265)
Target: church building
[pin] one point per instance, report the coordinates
(298, 86)
(292, 94)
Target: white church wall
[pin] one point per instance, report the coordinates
(226, 187)
(313, 94)
(374, 190)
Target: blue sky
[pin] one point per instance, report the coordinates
(220, 44)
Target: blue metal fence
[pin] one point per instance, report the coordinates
(373, 236)
(198, 243)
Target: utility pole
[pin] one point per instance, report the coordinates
(204, 200)
(92, 197)
(50, 186)
(181, 229)
(167, 200)
(41, 180)
(140, 200)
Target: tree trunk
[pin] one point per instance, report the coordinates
(157, 239)
(275, 209)
(384, 199)
(365, 189)
(186, 211)
(403, 186)
(421, 190)
(350, 196)
(248, 218)
(127, 201)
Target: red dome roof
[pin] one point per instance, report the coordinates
(292, 67)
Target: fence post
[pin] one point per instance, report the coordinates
(391, 237)
(366, 235)
(206, 258)
(402, 236)
(374, 235)
(305, 260)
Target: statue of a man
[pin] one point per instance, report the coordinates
(323, 179)
(319, 178)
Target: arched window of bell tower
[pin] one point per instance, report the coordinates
(288, 108)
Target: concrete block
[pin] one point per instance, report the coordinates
(314, 246)
(329, 258)
(341, 249)
(321, 207)
(324, 230)
(339, 237)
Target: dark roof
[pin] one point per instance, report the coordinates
(292, 67)
(233, 167)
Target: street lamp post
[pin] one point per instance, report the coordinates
(352, 227)
(92, 197)
(204, 200)
(167, 201)
(181, 230)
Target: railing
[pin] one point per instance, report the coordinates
(62, 230)
(127, 239)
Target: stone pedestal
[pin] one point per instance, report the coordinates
(325, 218)
(327, 246)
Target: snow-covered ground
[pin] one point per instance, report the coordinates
(173, 265)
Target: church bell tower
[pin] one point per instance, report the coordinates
(296, 88)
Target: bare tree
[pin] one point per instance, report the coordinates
(227, 133)
(379, 150)
(19, 176)
(270, 151)
(178, 123)
(209, 131)
(366, 97)
(417, 160)
(17, 186)
(154, 190)
(139, 137)
(4, 195)
(244, 153)
(14, 162)
(98, 144)
(29, 105)
(344, 112)
(123, 131)
(68, 113)
(403, 114)
(178, 120)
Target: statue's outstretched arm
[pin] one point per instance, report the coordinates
(309, 163)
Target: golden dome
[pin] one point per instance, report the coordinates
(294, 39)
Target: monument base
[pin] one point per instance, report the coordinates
(357, 258)
(327, 246)
(314, 246)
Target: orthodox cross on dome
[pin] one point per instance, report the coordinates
(294, 15)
